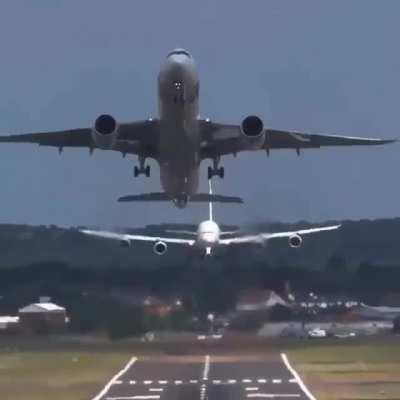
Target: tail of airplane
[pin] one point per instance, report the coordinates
(196, 198)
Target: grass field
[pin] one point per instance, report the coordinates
(366, 370)
(61, 375)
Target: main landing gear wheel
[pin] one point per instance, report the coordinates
(216, 172)
(141, 171)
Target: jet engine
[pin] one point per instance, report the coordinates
(160, 248)
(295, 241)
(105, 131)
(253, 132)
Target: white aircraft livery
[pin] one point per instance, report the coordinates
(208, 236)
(179, 139)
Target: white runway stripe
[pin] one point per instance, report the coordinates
(162, 382)
(251, 389)
(271, 395)
(276, 380)
(297, 377)
(156, 390)
(206, 367)
(115, 378)
(150, 397)
(262, 381)
(246, 380)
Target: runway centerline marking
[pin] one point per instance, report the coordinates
(178, 382)
(276, 380)
(271, 395)
(297, 377)
(162, 382)
(115, 378)
(156, 390)
(206, 367)
(150, 397)
(251, 389)
(247, 380)
(262, 381)
(147, 382)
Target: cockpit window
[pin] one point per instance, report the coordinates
(179, 51)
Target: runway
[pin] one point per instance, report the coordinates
(206, 378)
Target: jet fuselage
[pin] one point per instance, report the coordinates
(178, 95)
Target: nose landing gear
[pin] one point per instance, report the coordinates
(141, 169)
(215, 170)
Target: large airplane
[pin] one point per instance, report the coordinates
(208, 236)
(179, 139)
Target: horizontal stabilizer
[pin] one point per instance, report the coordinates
(199, 197)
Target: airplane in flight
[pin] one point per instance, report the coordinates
(208, 236)
(179, 138)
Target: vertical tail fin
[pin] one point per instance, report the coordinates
(210, 204)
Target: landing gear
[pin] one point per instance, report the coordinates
(215, 170)
(142, 169)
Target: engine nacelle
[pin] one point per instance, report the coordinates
(295, 241)
(105, 131)
(160, 248)
(253, 132)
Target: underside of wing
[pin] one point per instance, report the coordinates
(222, 139)
(263, 237)
(133, 238)
(140, 137)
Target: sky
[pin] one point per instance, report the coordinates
(311, 66)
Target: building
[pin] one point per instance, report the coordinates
(9, 324)
(42, 318)
(258, 300)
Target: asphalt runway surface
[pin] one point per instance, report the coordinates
(206, 378)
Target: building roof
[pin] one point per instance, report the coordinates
(41, 308)
(6, 319)
(258, 299)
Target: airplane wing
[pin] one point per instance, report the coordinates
(140, 137)
(263, 237)
(135, 238)
(222, 139)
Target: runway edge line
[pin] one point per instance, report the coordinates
(115, 378)
(297, 377)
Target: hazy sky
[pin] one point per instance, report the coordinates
(313, 66)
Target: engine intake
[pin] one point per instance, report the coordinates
(252, 129)
(105, 131)
(160, 248)
(295, 241)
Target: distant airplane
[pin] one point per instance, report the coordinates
(208, 236)
(179, 139)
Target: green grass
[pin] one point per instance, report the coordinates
(62, 375)
(349, 370)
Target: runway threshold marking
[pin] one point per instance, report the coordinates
(297, 377)
(115, 378)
